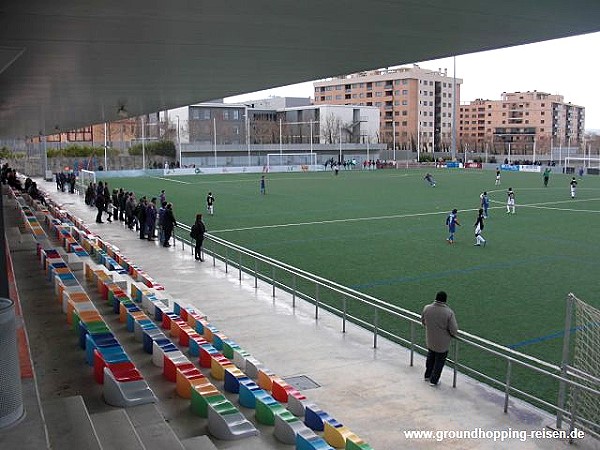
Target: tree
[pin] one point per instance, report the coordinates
(330, 128)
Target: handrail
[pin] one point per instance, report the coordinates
(511, 356)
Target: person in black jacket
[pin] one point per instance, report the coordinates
(197, 233)
(100, 205)
(168, 224)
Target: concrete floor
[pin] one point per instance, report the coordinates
(374, 392)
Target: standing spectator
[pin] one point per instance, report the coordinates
(122, 199)
(263, 188)
(140, 211)
(129, 208)
(72, 180)
(110, 209)
(210, 202)
(169, 223)
(162, 198)
(479, 223)
(452, 222)
(161, 220)
(197, 233)
(151, 219)
(115, 203)
(100, 206)
(510, 201)
(440, 325)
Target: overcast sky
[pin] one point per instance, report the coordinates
(568, 67)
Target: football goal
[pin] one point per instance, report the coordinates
(578, 161)
(84, 179)
(291, 159)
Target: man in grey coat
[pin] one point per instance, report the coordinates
(441, 326)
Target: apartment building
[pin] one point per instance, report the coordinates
(525, 121)
(271, 121)
(417, 106)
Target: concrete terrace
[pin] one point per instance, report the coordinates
(374, 392)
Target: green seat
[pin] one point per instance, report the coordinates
(266, 410)
(200, 402)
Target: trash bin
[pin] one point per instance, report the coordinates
(11, 397)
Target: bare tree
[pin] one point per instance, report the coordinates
(330, 128)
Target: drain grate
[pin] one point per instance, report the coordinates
(302, 382)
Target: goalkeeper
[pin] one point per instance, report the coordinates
(429, 178)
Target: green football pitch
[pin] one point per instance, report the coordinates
(383, 233)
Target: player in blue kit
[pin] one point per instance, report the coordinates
(485, 203)
(452, 223)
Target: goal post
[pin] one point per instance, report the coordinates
(581, 364)
(582, 161)
(292, 159)
(84, 179)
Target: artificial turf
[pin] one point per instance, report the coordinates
(383, 233)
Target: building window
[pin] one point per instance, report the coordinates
(378, 94)
(404, 123)
(379, 83)
(338, 97)
(396, 92)
(80, 135)
(235, 115)
(404, 102)
(378, 104)
(404, 112)
(225, 115)
(542, 121)
(396, 102)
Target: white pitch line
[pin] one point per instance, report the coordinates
(400, 216)
(322, 222)
(540, 205)
(170, 179)
(562, 209)
(254, 180)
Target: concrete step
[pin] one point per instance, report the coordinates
(154, 432)
(69, 425)
(115, 431)
(198, 443)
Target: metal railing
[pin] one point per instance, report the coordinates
(340, 300)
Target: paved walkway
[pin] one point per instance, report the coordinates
(374, 392)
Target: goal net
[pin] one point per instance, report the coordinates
(291, 159)
(84, 179)
(584, 365)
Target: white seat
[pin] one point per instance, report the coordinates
(158, 354)
(286, 430)
(296, 406)
(125, 394)
(252, 367)
(229, 427)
